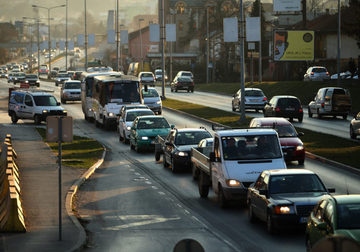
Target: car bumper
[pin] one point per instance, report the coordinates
(289, 114)
(146, 144)
(183, 162)
(288, 221)
(254, 106)
(235, 194)
(184, 87)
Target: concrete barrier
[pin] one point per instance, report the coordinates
(11, 212)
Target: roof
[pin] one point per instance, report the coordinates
(116, 77)
(151, 117)
(245, 132)
(290, 172)
(136, 110)
(268, 121)
(344, 199)
(285, 96)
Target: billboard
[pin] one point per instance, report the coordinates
(287, 5)
(293, 45)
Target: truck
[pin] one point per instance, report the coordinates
(330, 101)
(235, 161)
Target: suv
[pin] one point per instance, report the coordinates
(34, 106)
(147, 78)
(284, 106)
(71, 91)
(289, 138)
(185, 74)
(254, 99)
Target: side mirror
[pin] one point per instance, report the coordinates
(133, 128)
(172, 126)
(331, 190)
(212, 156)
(58, 104)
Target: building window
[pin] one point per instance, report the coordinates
(181, 25)
(180, 8)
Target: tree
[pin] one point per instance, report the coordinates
(351, 23)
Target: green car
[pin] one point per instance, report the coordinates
(144, 130)
(334, 215)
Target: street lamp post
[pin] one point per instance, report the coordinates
(37, 6)
(207, 42)
(120, 49)
(66, 36)
(38, 39)
(141, 60)
(171, 61)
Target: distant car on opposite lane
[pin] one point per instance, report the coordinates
(147, 78)
(316, 73)
(32, 79)
(254, 99)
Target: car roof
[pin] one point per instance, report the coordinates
(192, 130)
(289, 172)
(246, 132)
(150, 116)
(285, 96)
(73, 81)
(269, 121)
(345, 199)
(137, 110)
(246, 89)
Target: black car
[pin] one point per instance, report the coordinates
(178, 146)
(182, 83)
(284, 106)
(32, 79)
(285, 198)
(53, 73)
(19, 78)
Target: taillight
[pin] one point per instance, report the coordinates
(312, 73)
(322, 105)
(178, 83)
(192, 83)
(277, 109)
(301, 109)
(264, 99)
(327, 73)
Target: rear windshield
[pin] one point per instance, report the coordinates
(187, 74)
(72, 85)
(150, 93)
(185, 79)
(146, 75)
(31, 76)
(286, 102)
(319, 70)
(256, 93)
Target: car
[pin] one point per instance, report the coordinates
(47, 55)
(10, 77)
(9, 67)
(71, 74)
(316, 73)
(34, 60)
(127, 119)
(61, 78)
(334, 215)
(293, 148)
(77, 55)
(25, 66)
(26, 61)
(43, 69)
(185, 74)
(178, 146)
(153, 100)
(16, 68)
(127, 107)
(144, 130)
(62, 71)
(206, 142)
(56, 69)
(3, 74)
(158, 75)
(77, 75)
(285, 198)
(343, 75)
(254, 99)
(32, 79)
(182, 83)
(70, 91)
(286, 106)
(147, 78)
(355, 126)
(19, 78)
(4, 68)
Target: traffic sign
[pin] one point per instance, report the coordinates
(192, 65)
(24, 85)
(210, 65)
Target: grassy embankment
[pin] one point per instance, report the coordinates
(328, 146)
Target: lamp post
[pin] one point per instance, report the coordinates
(66, 36)
(207, 42)
(37, 6)
(142, 69)
(120, 49)
(31, 39)
(85, 42)
(38, 39)
(171, 61)
(117, 35)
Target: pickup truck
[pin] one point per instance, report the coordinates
(235, 161)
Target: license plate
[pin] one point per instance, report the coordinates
(254, 100)
(290, 109)
(304, 219)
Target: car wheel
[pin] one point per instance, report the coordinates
(97, 124)
(270, 224)
(203, 189)
(319, 115)
(233, 109)
(157, 156)
(120, 138)
(301, 161)
(37, 119)
(174, 167)
(137, 149)
(126, 141)
(308, 244)
(352, 133)
(252, 216)
(194, 172)
(300, 119)
(188, 90)
(14, 118)
(192, 91)
(176, 90)
(344, 117)
(165, 164)
(132, 147)
(223, 202)
(63, 101)
(56, 84)
(160, 112)
(309, 112)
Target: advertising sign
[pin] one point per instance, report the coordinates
(287, 5)
(292, 45)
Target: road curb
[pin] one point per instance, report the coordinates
(308, 154)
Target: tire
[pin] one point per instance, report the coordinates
(157, 156)
(301, 161)
(203, 189)
(125, 139)
(174, 167)
(56, 84)
(172, 90)
(223, 202)
(107, 126)
(192, 91)
(132, 147)
(160, 112)
(300, 119)
(252, 217)
(319, 115)
(352, 133)
(270, 225)
(120, 138)
(165, 164)
(194, 172)
(344, 117)
(308, 244)
(37, 119)
(233, 109)
(188, 90)
(97, 124)
(14, 118)
(176, 90)
(309, 112)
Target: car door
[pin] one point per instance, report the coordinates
(236, 100)
(255, 195)
(263, 199)
(27, 108)
(170, 138)
(133, 131)
(356, 123)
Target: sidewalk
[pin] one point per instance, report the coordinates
(39, 181)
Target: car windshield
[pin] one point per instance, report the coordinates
(286, 131)
(295, 183)
(130, 116)
(184, 79)
(187, 74)
(63, 75)
(20, 74)
(191, 138)
(72, 85)
(319, 70)
(146, 75)
(288, 102)
(45, 101)
(255, 93)
(32, 76)
(150, 93)
(153, 123)
(348, 216)
(251, 147)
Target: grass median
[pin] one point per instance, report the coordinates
(328, 146)
(82, 152)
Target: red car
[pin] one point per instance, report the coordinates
(289, 138)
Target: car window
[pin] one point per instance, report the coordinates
(328, 216)
(287, 102)
(72, 85)
(150, 93)
(31, 76)
(184, 79)
(146, 75)
(191, 138)
(153, 123)
(187, 74)
(348, 216)
(133, 114)
(319, 70)
(286, 131)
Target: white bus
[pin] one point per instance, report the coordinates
(87, 79)
(110, 94)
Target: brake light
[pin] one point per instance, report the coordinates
(312, 73)
(327, 73)
(277, 109)
(178, 83)
(301, 109)
(322, 105)
(192, 83)
(264, 99)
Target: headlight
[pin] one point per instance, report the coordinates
(65, 111)
(144, 138)
(44, 111)
(300, 147)
(37, 81)
(111, 114)
(66, 94)
(128, 128)
(233, 183)
(57, 79)
(284, 210)
(181, 154)
(158, 102)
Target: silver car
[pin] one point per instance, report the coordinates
(153, 100)
(355, 126)
(316, 73)
(70, 91)
(254, 99)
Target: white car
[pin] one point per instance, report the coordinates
(316, 73)
(70, 91)
(127, 119)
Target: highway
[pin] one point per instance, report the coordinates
(133, 203)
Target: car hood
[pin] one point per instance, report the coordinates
(290, 141)
(351, 233)
(295, 198)
(153, 132)
(72, 90)
(32, 79)
(151, 99)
